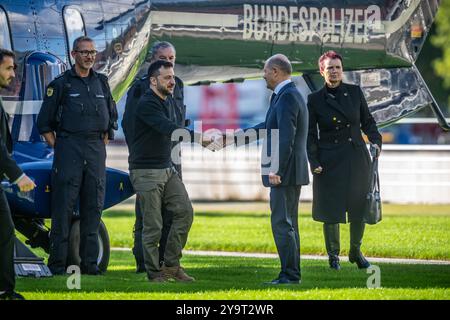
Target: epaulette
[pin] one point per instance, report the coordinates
(59, 79)
(59, 75)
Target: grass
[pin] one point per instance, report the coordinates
(406, 231)
(230, 278)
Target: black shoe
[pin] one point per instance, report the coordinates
(11, 295)
(358, 257)
(282, 281)
(333, 261)
(93, 271)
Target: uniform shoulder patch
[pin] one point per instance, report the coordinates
(49, 91)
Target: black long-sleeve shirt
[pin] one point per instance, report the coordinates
(154, 122)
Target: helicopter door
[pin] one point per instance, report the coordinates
(39, 69)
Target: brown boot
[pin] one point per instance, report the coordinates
(159, 277)
(176, 273)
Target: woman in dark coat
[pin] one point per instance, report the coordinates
(339, 158)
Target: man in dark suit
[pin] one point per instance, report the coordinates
(286, 167)
(10, 171)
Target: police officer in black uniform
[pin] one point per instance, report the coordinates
(77, 118)
(160, 50)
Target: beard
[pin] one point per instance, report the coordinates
(164, 90)
(5, 83)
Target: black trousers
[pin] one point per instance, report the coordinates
(167, 215)
(284, 220)
(7, 275)
(78, 173)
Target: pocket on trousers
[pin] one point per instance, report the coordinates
(143, 185)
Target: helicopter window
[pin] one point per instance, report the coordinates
(5, 37)
(74, 24)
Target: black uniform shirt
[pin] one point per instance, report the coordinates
(85, 105)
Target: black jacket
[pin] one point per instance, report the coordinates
(153, 122)
(8, 167)
(135, 93)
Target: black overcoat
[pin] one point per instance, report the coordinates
(336, 144)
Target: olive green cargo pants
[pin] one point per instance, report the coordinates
(158, 187)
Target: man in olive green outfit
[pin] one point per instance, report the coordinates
(154, 178)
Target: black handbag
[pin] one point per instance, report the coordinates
(372, 212)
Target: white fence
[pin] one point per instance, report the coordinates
(408, 173)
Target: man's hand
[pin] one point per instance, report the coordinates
(228, 139)
(274, 179)
(212, 141)
(318, 170)
(50, 138)
(25, 184)
(377, 150)
(207, 140)
(106, 138)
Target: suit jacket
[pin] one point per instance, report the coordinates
(8, 167)
(289, 115)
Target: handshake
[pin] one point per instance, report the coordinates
(216, 140)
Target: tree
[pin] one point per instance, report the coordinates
(442, 40)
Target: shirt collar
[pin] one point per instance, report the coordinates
(74, 73)
(281, 85)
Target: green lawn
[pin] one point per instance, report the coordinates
(406, 231)
(421, 232)
(242, 278)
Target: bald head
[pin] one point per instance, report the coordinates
(277, 69)
(281, 62)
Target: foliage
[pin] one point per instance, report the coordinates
(442, 40)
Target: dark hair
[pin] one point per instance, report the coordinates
(153, 69)
(7, 53)
(77, 41)
(281, 62)
(328, 55)
(158, 45)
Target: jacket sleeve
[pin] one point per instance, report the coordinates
(46, 120)
(368, 124)
(287, 114)
(8, 167)
(313, 137)
(249, 135)
(113, 114)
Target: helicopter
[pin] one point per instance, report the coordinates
(216, 41)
